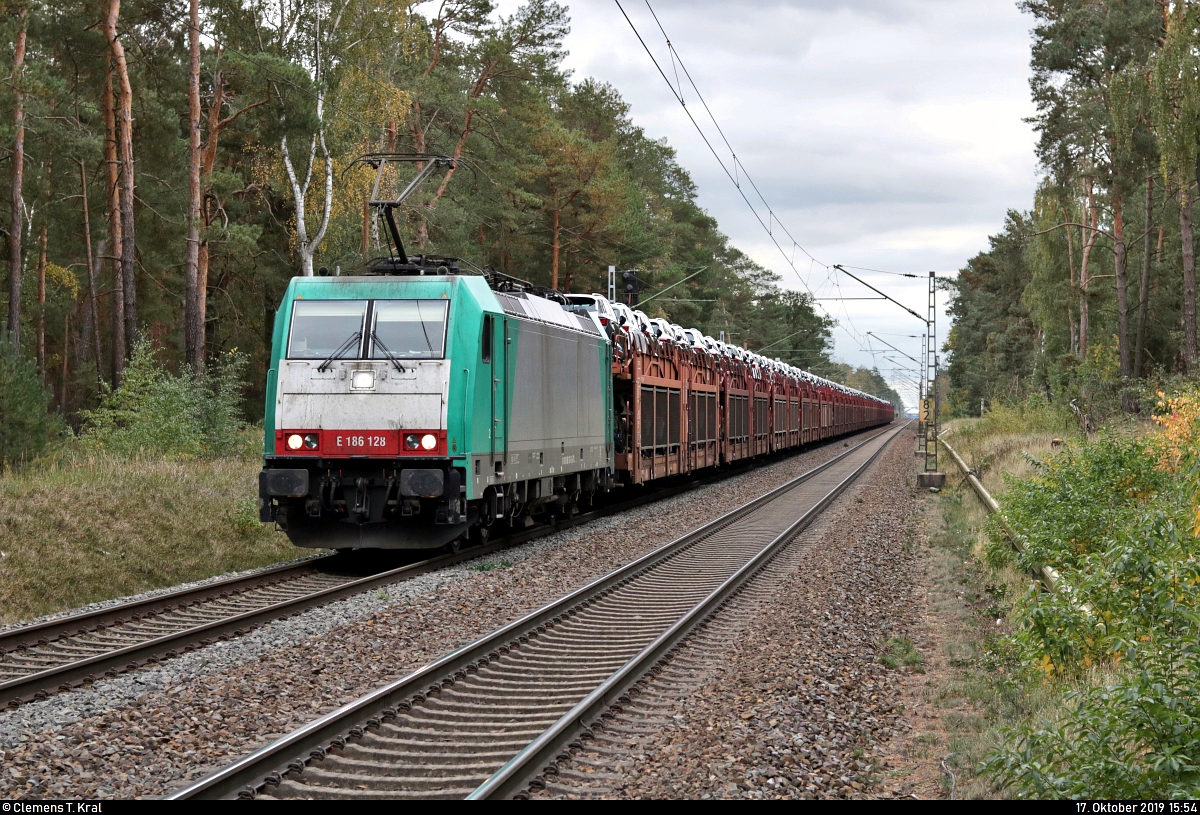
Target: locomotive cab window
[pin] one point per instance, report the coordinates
(326, 328)
(486, 344)
(376, 329)
(408, 329)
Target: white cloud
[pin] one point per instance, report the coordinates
(886, 134)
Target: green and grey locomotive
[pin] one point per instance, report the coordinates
(404, 411)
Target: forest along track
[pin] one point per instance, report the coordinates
(483, 720)
(66, 652)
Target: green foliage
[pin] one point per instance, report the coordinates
(178, 416)
(1136, 734)
(1118, 639)
(998, 553)
(991, 343)
(219, 399)
(28, 425)
(1176, 101)
(1079, 500)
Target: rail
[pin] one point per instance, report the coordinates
(65, 652)
(277, 765)
(513, 776)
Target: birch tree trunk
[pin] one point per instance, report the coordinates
(1084, 268)
(15, 256)
(307, 248)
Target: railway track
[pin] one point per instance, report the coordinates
(482, 721)
(67, 652)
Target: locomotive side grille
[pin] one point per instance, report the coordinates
(511, 305)
(586, 324)
(545, 311)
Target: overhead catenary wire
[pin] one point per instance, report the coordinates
(738, 170)
(734, 178)
(882, 271)
(772, 218)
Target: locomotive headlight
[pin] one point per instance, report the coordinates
(295, 441)
(311, 440)
(428, 441)
(363, 380)
(412, 442)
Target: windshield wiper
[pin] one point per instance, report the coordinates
(421, 320)
(391, 357)
(343, 348)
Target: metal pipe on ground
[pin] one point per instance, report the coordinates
(1048, 574)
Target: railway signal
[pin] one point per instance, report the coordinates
(632, 287)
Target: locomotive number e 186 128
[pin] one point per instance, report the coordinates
(363, 443)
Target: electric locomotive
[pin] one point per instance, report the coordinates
(404, 410)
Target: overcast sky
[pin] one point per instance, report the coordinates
(885, 134)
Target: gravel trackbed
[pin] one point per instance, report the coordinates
(145, 733)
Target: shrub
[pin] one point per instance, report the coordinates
(1141, 588)
(219, 396)
(1120, 639)
(28, 425)
(1077, 500)
(1135, 734)
(177, 416)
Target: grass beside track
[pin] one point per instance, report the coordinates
(972, 597)
(94, 528)
(971, 601)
